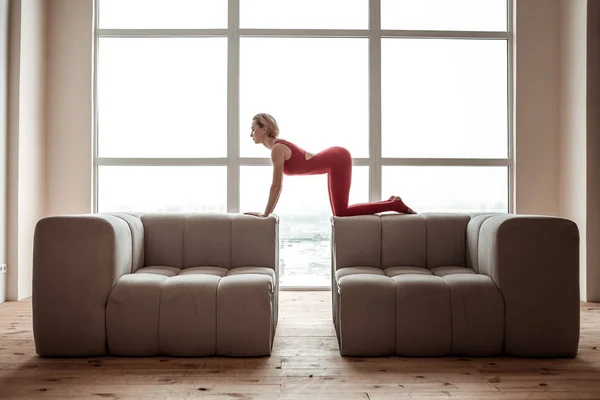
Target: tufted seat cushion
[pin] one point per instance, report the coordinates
(197, 311)
(415, 311)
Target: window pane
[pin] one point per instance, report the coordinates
(304, 14)
(162, 189)
(444, 15)
(162, 97)
(162, 14)
(317, 89)
(304, 220)
(449, 189)
(444, 98)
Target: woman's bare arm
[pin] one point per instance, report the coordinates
(278, 158)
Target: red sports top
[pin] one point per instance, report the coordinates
(299, 165)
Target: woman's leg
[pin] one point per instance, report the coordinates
(339, 180)
(377, 207)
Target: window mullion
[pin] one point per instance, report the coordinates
(95, 111)
(510, 105)
(375, 100)
(233, 102)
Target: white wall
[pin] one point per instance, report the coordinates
(69, 129)
(572, 121)
(593, 151)
(13, 148)
(536, 106)
(579, 139)
(3, 137)
(26, 136)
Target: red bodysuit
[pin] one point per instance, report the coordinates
(336, 162)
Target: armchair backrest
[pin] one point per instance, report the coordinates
(185, 240)
(390, 240)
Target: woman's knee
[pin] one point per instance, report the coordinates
(341, 213)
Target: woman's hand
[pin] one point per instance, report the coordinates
(256, 214)
(278, 158)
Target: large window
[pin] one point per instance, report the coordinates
(417, 90)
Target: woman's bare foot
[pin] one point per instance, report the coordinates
(408, 209)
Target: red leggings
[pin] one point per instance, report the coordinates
(337, 162)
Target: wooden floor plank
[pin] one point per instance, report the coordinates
(305, 364)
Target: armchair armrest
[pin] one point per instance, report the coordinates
(534, 261)
(76, 261)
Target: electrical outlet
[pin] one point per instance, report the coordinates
(2, 268)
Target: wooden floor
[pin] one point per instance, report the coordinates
(305, 365)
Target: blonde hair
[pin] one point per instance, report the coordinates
(267, 121)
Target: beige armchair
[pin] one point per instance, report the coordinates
(452, 284)
(155, 284)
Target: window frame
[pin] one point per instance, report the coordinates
(375, 161)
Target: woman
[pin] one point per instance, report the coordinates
(336, 162)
